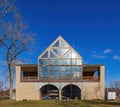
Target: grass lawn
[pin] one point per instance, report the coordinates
(53, 103)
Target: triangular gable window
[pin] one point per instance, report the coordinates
(52, 55)
(75, 54)
(57, 51)
(56, 44)
(67, 55)
(63, 44)
(63, 51)
(45, 55)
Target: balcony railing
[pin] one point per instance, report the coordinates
(29, 78)
(45, 79)
(90, 78)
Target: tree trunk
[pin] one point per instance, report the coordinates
(11, 89)
(11, 74)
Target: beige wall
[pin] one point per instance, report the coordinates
(94, 90)
(91, 90)
(25, 90)
(30, 90)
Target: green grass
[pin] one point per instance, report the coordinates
(53, 103)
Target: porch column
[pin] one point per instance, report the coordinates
(60, 96)
(102, 87)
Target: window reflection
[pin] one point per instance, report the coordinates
(45, 55)
(56, 44)
(63, 43)
(54, 62)
(43, 68)
(65, 62)
(67, 55)
(76, 71)
(63, 51)
(56, 50)
(43, 62)
(76, 62)
(44, 73)
(52, 68)
(75, 54)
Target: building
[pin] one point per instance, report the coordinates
(59, 74)
(112, 93)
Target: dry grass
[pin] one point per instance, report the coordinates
(53, 103)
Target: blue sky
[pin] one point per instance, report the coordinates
(92, 27)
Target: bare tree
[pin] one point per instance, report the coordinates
(14, 40)
(6, 6)
(115, 86)
(2, 87)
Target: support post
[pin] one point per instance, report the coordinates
(60, 96)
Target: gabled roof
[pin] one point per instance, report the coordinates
(60, 48)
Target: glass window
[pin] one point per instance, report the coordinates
(68, 74)
(67, 55)
(56, 44)
(65, 71)
(76, 68)
(75, 54)
(54, 68)
(65, 62)
(76, 71)
(57, 73)
(52, 55)
(45, 55)
(63, 74)
(43, 68)
(43, 62)
(54, 62)
(79, 62)
(74, 62)
(76, 74)
(63, 43)
(54, 71)
(57, 50)
(44, 74)
(63, 51)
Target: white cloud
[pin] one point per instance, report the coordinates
(107, 51)
(116, 57)
(99, 56)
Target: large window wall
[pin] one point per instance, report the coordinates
(52, 68)
(60, 61)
